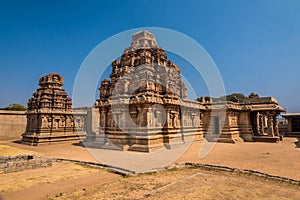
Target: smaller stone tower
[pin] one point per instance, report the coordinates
(49, 115)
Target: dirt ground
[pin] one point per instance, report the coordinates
(282, 159)
(49, 182)
(70, 181)
(188, 184)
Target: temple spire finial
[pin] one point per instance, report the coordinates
(142, 40)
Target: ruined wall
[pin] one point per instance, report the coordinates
(22, 162)
(12, 124)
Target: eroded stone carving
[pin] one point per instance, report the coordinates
(145, 102)
(49, 115)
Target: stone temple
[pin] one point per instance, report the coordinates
(144, 107)
(49, 114)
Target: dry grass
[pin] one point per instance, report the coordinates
(188, 184)
(56, 173)
(11, 151)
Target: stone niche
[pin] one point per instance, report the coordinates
(50, 117)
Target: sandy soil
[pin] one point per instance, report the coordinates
(70, 181)
(281, 158)
(6, 150)
(63, 150)
(51, 181)
(183, 184)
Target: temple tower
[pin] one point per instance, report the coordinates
(49, 114)
(144, 104)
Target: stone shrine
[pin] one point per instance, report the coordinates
(49, 114)
(144, 106)
(293, 124)
(251, 120)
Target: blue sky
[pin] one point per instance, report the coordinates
(255, 44)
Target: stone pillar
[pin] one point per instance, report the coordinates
(103, 119)
(149, 120)
(275, 123)
(258, 123)
(270, 129)
(168, 118)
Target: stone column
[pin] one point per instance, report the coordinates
(103, 119)
(275, 123)
(270, 129)
(168, 118)
(258, 123)
(149, 119)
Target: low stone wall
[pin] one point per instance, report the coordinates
(22, 162)
(243, 171)
(12, 124)
(126, 172)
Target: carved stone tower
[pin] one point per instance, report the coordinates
(144, 106)
(49, 114)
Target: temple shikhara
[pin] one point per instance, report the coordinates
(49, 114)
(144, 106)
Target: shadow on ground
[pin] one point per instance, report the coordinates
(297, 143)
(17, 142)
(78, 144)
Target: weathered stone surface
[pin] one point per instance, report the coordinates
(21, 162)
(12, 124)
(49, 115)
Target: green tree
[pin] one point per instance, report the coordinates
(15, 106)
(234, 97)
(239, 96)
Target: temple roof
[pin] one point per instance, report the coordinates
(291, 115)
(142, 40)
(52, 79)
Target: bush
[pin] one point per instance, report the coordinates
(16, 107)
